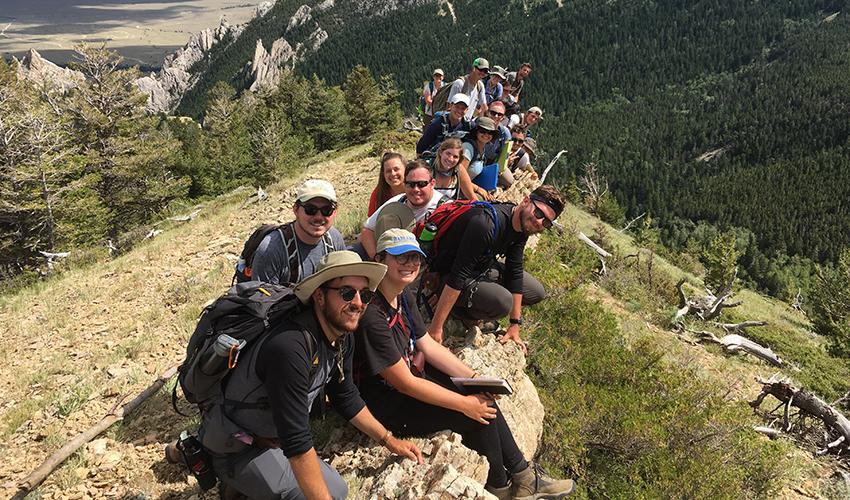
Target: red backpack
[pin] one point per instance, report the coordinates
(430, 230)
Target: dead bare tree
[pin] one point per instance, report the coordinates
(734, 343)
(593, 187)
(835, 439)
(797, 305)
(707, 307)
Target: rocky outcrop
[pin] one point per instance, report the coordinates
(266, 67)
(451, 470)
(166, 87)
(301, 16)
(38, 70)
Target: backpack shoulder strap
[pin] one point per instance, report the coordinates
(290, 244)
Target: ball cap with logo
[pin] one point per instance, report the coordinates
(397, 242)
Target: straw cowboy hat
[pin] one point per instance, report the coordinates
(337, 265)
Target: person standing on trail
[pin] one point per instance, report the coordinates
(472, 285)
(270, 392)
(428, 93)
(473, 86)
(309, 237)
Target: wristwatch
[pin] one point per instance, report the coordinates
(517, 321)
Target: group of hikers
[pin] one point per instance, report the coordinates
(368, 329)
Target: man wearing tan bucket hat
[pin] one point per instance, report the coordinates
(300, 358)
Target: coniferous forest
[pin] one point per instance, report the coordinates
(707, 115)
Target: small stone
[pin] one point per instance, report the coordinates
(81, 472)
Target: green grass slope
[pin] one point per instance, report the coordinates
(632, 411)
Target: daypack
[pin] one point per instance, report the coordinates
(244, 313)
(444, 216)
(244, 272)
(422, 103)
(440, 100)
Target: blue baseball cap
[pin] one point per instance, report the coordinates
(397, 242)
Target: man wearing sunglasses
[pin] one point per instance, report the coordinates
(473, 86)
(283, 373)
(476, 286)
(419, 196)
(292, 252)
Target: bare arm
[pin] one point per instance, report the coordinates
(447, 300)
(367, 239)
(473, 406)
(367, 424)
(441, 358)
(512, 335)
(309, 475)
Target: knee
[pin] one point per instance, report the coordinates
(533, 291)
(337, 487)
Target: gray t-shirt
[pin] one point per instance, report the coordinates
(271, 262)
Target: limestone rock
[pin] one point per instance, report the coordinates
(266, 67)
(165, 88)
(301, 16)
(523, 410)
(451, 470)
(263, 9)
(38, 70)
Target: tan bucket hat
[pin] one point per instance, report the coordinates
(337, 265)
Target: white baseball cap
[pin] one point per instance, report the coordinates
(460, 97)
(315, 188)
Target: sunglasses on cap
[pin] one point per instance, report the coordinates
(349, 292)
(539, 215)
(417, 184)
(311, 209)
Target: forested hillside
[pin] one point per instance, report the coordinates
(644, 90)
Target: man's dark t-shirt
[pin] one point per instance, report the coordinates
(380, 345)
(283, 365)
(468, 249)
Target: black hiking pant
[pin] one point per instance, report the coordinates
(486, 298)
(406, 416)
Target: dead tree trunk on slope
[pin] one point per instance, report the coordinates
(837, 435)
(707, 307)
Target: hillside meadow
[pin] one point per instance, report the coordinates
(632, 411)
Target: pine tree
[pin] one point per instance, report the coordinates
(830, 300)
(364, 103)
(720, 258)
(227, 145)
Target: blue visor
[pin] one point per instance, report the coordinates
(402, 249)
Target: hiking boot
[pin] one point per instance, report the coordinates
(489, 326)
(503, 493)
(533, 483)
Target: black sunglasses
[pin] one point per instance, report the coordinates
(539, 215)
(419, 184)
(311, 209)
(517, 140)
(349, 292)
(496, 113)
(484, 70)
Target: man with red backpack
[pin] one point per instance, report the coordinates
(475, 286)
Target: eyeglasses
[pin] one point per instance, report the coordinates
(417, 184)
(539, 215)
(348, 292)
(408, 258)
(496, 113)
(311, 209)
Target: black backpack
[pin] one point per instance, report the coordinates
(244, 314)
(244, 272)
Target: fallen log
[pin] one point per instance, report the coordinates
(55, 460)
(735, 343)
(837, 425)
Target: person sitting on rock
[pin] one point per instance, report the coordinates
(311, 235)
(526, 120)
(444, 168)
(419, 195)
(390, 181)
(472, 285)
(473, 161)
(262, 442)
(403, 375)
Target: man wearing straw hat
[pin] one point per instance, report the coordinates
(277, 458)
